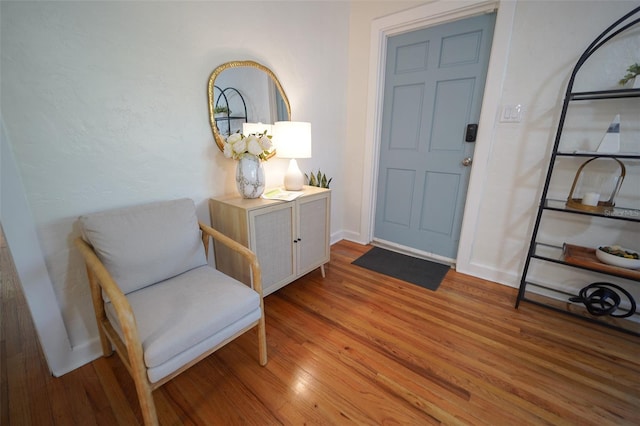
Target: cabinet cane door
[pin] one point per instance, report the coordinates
(272, 235)
(313, 233)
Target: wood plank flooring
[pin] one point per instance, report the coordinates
(353, 348)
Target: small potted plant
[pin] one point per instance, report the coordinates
(221, 111)
(319, 180)
(632, 74)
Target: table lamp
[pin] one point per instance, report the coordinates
(292, 139)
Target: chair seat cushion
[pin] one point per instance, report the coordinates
(142, 245)
(196, 309)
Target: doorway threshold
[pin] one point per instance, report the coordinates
(410, 251)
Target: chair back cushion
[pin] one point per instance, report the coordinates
(145, 244)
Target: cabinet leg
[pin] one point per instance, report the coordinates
(322, 270)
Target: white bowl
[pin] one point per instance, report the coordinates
(612, 259)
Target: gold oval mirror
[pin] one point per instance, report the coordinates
(241, 92)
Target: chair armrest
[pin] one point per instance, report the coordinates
(240, 249)
(98, 275)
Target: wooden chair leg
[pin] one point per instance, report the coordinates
(107, 349)
(147, 405)
(262, 341)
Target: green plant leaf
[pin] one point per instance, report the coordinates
(632, 72)
(318, 179)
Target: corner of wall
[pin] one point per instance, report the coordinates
(23, 243)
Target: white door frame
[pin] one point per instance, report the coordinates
(423, 16)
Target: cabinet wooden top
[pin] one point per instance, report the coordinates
(250, 203)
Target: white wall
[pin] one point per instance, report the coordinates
(105, 105)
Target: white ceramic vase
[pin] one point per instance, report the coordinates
(250, 176)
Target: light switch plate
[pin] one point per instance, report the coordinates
(511, 113)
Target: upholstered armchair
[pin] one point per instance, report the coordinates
(156, 299)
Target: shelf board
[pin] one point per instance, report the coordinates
(231, 117)
(620, 213)
(604, 94)
(622, 155)
(562, 304)
(583, 258)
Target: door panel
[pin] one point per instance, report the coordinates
(443, 187)
(397, 178)
(314, 233)
(451, 115)
(434, 82)
(272, 238)
(461, 49)
(406, 113)
(412, 57)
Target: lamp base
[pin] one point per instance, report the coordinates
(293, 179)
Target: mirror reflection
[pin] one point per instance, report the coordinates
(244, 92)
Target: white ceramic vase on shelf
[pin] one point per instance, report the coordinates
(250, 176)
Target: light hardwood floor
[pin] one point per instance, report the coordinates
(353, 348)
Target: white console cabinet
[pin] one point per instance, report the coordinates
(290, 238)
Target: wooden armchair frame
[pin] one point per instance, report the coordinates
(130, 350)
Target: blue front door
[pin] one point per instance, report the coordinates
(434, 82)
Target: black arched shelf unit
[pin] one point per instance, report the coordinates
(226, 121)
(543, 290)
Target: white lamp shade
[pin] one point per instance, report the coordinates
(292, 139)
(255, 128)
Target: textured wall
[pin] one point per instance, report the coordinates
(105, 105)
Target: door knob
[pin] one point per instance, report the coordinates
(467, 161)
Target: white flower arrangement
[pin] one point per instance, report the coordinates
(238, 145)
